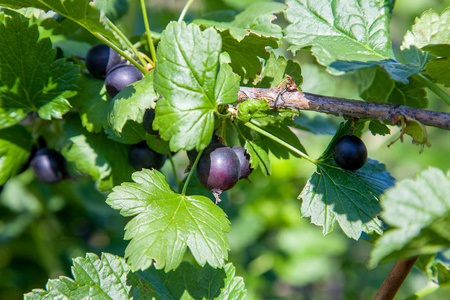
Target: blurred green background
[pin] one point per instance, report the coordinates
(279, 254)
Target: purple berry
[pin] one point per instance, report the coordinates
(350, 153)
(100, 59)
(218, 169)
(120, 77)
(49, 165)
(141, 156)
(244, 160)
(147, 122)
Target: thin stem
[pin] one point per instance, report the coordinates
(174, 170)
(122, 53)
(147, 30)
(258, 129)
(185, 9)
(432, 86)
(424, 292)
(120, 33)
(395, 279)
(186, 183)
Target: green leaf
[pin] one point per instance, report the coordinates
(435, 270)
(384, 89)
(82, 12)
(339, 30)
(430, 28)
(15, 147)
(258, 157)
(418, 212)
(94, 102)
(187, 78)
(133, 133)
(437, 69)
(94, 278)
(246, 38)
(131, 103)
(350, 198)
(104, 160)
(166, 223)
(415, 60)
(109, 277)
(188, 282)
(30, 79)
(376, 127)
(245, 53)
(275, 69)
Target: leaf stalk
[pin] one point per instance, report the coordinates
(186, 183)
(185, 9)
(255, 127)
(433, 87)
(148, 32)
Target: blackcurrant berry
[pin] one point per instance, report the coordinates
(141, 156)
(49, 165)
(120, 77)
(218, 169)
(147, 122)
(350, 153)
(244, 160)
(100, 59)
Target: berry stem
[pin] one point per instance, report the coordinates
(186, 183)
(185, 9)
(174, 170)
(127, 41)
(122, 53)
(147, 30)
(432, 86)
(258, 129)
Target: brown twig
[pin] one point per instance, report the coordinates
(385, 112)
(395, 279)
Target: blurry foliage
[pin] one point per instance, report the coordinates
(279, 254)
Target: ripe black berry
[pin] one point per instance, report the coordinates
(120, 77)
(147, 122)
(244, 161)
(218, 169)
(100, 59)
(49, 165)
(350, 153)
(141, 156)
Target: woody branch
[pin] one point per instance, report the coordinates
(385, 112)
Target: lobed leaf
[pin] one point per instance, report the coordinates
(109, 277)
(350, 198)
(339, 30)
(94, 278)
(418, 212)
(30, 78)
(188, 282)
(167, 223)
(82, 12)
(186, 76)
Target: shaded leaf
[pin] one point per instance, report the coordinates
(376, 127)
(275, 67)
(104, 160)
(165, 224)
(350, 198)
(435, 270)
(418, 212)
(15, 147)
(384, 89)
(188, 282)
